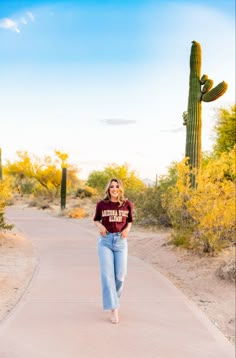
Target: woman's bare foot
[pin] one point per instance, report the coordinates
(114, 316)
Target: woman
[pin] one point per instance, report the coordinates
(113, 217)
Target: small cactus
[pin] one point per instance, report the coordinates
(200, 89)
(63, 188)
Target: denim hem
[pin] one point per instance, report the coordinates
(112, 308)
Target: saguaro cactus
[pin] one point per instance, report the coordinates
(200, 89)
(63, 188)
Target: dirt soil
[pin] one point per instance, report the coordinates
(195, 276)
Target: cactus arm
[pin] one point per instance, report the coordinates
(203, 79)
(207, 86)
(215, 92)
(185, 117)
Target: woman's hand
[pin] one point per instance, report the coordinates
(102, 230)
(124, 233)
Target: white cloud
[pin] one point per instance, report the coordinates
(30, 15)
(117, 121)
(13, 25)
(9, 24)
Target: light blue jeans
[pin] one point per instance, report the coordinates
(112, 252)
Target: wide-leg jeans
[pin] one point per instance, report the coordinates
(112, 252)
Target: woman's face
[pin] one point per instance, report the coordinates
(114, 190)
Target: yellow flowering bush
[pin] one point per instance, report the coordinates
(5, 194)
(206, 213)
(176, 197)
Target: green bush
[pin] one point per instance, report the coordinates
(149, 209)
(148, 202)
(3, 225)
(86, 192)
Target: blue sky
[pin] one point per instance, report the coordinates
(107, 81)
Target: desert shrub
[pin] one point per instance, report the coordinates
(149, 206)
(206, 213)
(175, 199)
(225, 130)
(41, 176)
(99, 179)
(40, 202)
(212, 205)
(21, 184)
(227, 270)
(40, 192)
(77, 213)
(5, 194)
(26, 187)
(86, 192)
(182, 237)
(149, 209)
(3, 225)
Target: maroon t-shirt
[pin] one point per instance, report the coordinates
(114, 216)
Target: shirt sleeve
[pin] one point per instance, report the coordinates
(130, 215)
(97, 215)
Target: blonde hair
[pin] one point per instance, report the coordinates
(121, 198)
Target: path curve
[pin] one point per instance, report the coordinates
(61, 316)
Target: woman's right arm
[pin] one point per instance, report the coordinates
(97, 220)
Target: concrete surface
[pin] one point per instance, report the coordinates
(61, 316)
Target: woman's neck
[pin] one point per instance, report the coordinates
(114, 200)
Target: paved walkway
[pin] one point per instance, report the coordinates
(60, 315)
